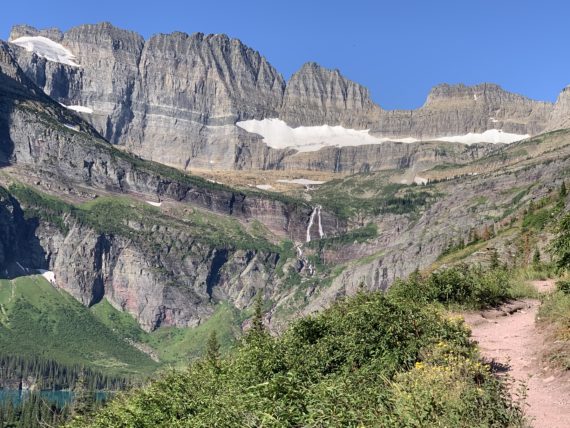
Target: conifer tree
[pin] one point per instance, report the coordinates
(83, 399)
(257, 321)
(213, 351)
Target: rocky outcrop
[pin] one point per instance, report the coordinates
(19, 246)
(317, 96)
(560, 116)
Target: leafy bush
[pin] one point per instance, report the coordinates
(463, 285)
(453, 393)
(353, 365)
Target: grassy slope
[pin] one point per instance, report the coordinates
(37, 319)
(113, 214)
(372, 194)
(174, 346)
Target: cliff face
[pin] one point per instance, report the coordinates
(53, 142)
(560, 116)
(176, 98)
(161, 275)
(458, 109)
(173, 99)
(387, 156)
(108, 59)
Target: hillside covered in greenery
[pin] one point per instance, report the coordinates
(371, 360)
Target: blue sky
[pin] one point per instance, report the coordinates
(398, 49)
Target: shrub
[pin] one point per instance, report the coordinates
(563, 285)
(463, 285)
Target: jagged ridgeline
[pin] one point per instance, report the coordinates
(190, 100)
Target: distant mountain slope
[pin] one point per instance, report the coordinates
(37, 319)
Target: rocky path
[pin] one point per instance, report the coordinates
(510, 338)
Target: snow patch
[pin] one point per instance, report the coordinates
(420, 180)
(48, 275)
(72, 127)
(278, 135)
(264, 186)
(79, 109)
(154, 204)
(490, 136)
(48, 49)
(302, 181)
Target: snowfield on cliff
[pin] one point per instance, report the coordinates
(46, 48)
(278, 135)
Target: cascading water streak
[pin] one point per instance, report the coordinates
(321, 233)
(311, 220)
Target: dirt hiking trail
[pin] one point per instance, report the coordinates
(509, 337)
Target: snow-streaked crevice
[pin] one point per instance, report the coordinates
(278, 135)
(154, 204)
(46, 48)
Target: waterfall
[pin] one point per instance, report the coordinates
(311, 219)
(321, 233)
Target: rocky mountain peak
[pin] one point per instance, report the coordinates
(18, 31)
(103, 35)
(316, 95)
(560, 117)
